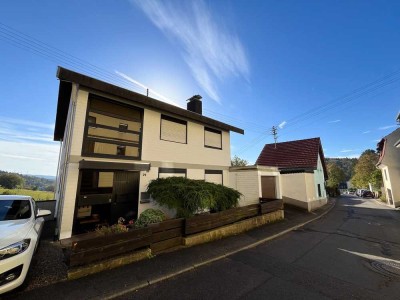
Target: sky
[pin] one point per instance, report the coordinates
(327, 69)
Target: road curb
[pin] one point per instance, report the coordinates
(197, 265)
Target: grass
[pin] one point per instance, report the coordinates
(37, 195)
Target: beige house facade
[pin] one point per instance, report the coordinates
(305, 189)
(302, 170)
(389, 164)
(255, 182)
(115, 141)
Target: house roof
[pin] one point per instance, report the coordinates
(293, 155)
(388, 149)
(67, 77)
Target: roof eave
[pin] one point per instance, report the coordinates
(69, 76)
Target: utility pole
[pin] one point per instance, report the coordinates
(274, 132)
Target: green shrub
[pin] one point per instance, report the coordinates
(150, 216)
(189, 196)
(116, 228)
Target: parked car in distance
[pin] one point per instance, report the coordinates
(367, 194)
(21, 224)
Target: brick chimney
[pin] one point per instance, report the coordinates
(194, 104)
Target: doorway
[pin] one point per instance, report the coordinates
(104, 196)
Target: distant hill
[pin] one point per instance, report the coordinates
(49, 177)
(39, 182)
(346, 164)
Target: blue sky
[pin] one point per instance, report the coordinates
(326, 69)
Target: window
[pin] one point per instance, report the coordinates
(121, 150)
(96, 182)
(173, 130)
(386, 175)
(319, 190)
(213, 176)
(212, 138)
(112, 130)
(15, 210)
(171, 172)
(123, 126)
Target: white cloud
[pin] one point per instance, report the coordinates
(348, 150)
(387, 127)
(282, 124)
(347, 156)
(335, 121)
(27, 147)
(365, 132)
(33, 124)
(210, 49)
(29, 158)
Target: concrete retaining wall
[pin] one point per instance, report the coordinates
(233, 229)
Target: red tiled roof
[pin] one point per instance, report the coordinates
(292, 155)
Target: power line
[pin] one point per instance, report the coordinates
(28, 43)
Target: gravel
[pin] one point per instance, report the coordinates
(47, 266)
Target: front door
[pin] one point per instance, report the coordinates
(125, 196)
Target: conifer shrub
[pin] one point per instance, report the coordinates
(188, 196)
(150, 216)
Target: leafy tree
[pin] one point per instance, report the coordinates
(346, 164)
(365, 171)
(335, 175)
(189, 196)
(238, 162)
(50, 188)
(11, 180)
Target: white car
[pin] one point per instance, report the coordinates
(21, 224)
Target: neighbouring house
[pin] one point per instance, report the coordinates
(303, 171)
(389, 163)
(255, 182)
(115, 141)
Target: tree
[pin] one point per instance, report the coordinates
(11, 180)
(335, 175)
(365, 171)
(238, 162)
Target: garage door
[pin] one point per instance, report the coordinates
(268, 187)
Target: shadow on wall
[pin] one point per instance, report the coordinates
(308, 206)
(295, 202)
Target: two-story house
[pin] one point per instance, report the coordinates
(303, 171)
(389, 164)
(115, 141)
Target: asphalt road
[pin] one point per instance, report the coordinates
(351, 253)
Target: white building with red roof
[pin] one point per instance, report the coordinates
(302, 168)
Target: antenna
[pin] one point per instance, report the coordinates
(274, 132)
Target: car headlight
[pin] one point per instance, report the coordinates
(14, 249)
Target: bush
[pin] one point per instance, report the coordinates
(189, 196)
(116, 228)
(150, 216)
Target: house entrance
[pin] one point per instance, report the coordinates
(104, 196)
(268, 187)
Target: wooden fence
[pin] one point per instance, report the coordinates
(88, 248)
(201, 223)
(99, 247)
(166, 235)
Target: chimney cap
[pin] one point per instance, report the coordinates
(195, 97)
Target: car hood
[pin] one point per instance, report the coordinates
(13, 231)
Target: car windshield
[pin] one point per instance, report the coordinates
(14, 210)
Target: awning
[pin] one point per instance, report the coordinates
(102, 165)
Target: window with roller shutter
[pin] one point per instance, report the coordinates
(173, 130)
(212, 138)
